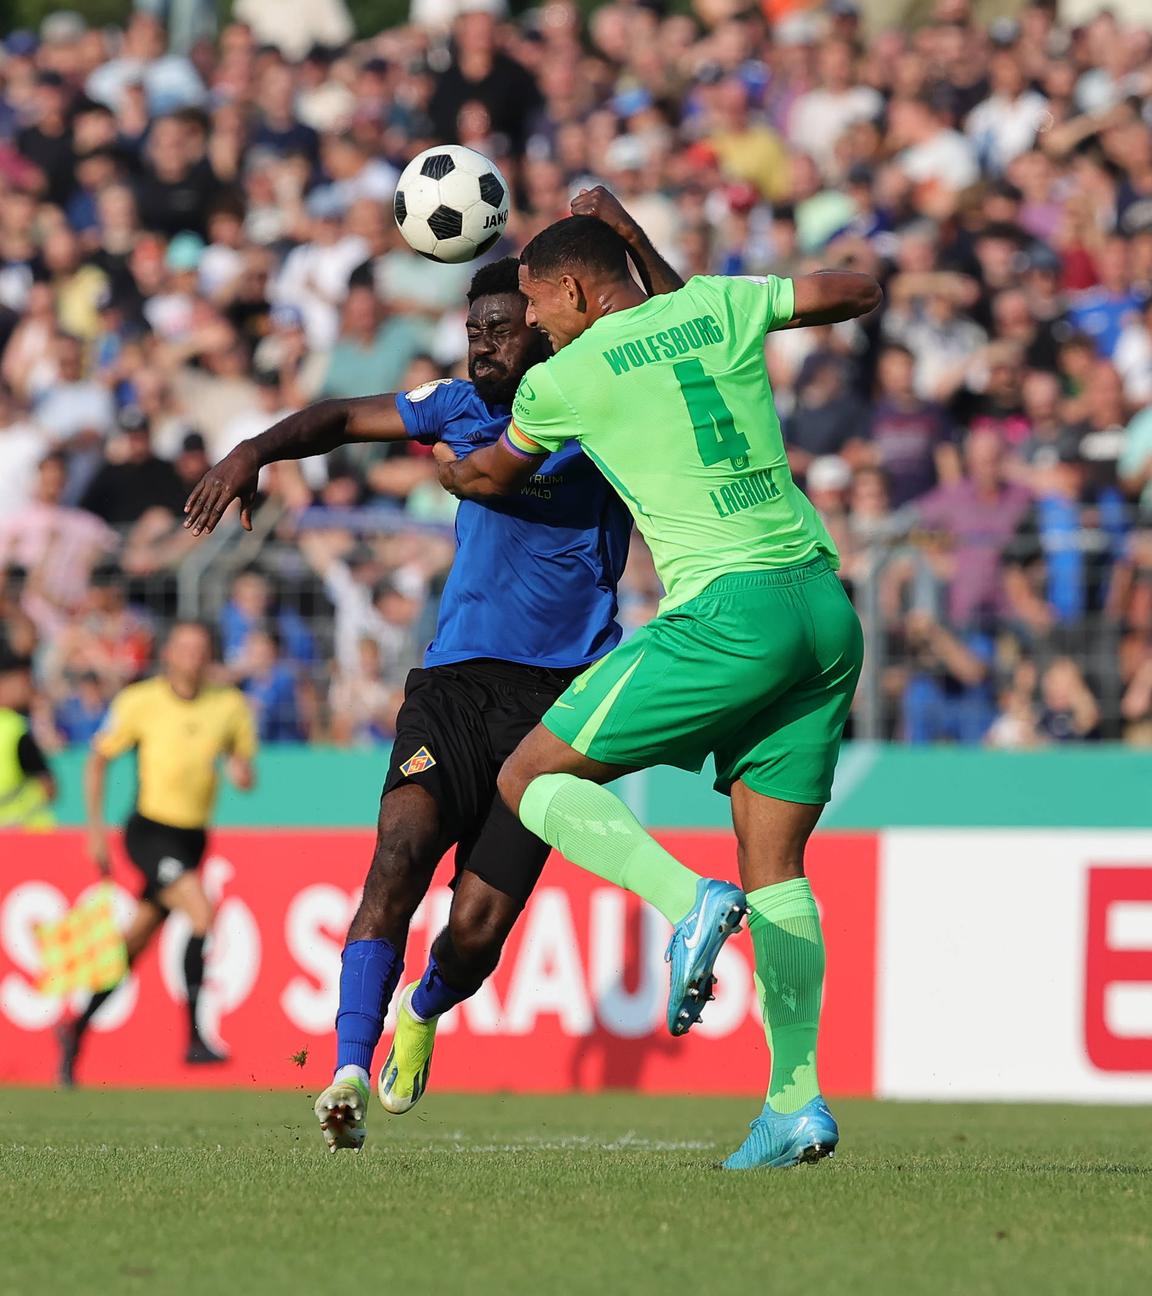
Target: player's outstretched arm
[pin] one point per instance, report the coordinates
(95, 777)
(498, 469)
(316, 430)
(829, 296)
(656, 274)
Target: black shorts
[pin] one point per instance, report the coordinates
(162, 853)
(456, 728)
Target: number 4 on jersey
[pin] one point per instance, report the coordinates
(716, 434)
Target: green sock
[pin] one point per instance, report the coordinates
(789, 947)
(597, 831)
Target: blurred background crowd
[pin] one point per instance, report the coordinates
(196, 237)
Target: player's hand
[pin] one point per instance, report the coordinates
(99, 854)
(605, 206)
(445, 457)
(241, 773)
(234, 477)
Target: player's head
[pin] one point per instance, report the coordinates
(564, 272)
(501, 346)
(188, 652)
(15, 681)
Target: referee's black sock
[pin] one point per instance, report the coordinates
(193, 980)
(91, 1008)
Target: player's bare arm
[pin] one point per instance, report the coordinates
(316, 430)
(242, 773)
(829, 296)
(95, 777)
(498, 469)
(656, 274)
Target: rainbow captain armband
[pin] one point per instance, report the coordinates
(522, 445)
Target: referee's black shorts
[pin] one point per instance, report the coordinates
(457, 726)
(162, 853)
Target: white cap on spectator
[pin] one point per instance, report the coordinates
(497, 8)
(627, 153)
(63, 27)
(797, 29)
(828, 472)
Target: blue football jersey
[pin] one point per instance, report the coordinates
(535, 575)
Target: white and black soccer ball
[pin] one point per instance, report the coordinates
(451, 203)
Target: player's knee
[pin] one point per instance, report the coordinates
(476, 933)
(512, 781)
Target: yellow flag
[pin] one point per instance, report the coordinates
(83, 950)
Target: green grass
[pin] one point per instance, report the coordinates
(211, 1192)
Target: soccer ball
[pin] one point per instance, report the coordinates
(451, 203)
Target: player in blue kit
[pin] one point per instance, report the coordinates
(530, 602)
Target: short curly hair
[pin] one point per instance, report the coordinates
(495, 279)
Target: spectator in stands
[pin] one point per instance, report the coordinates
(1006, 124)
(104, 635)
(56, 546)
(1103, 311)
(1100, 431)
(370, 354)
(948, 695)
(1059, 562)
(746, 148)
(972, 521)
(271, 407)
(1015, 727)
(76, 412)
(1136, 706)
(1134, 466)
(909, 438)
(364, 702)
(176, 189)
(22, 446)
(191, 463)
(314, 276)
(1068, 710)
(170, 81)
(218, 386)
(270, 685)
(937, 160)
(826, 420)
(46, 141)
(124, 489)
(80, 712)
(481, 73)
(250, 607)
(820, 117)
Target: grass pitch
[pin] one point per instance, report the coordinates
(217, 1192)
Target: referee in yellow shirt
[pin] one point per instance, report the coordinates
(180, 726)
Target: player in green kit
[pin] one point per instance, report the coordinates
(756, 651)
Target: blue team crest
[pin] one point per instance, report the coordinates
(421, 393)
(418, 763)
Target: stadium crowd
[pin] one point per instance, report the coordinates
(195, 240)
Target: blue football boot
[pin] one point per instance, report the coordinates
(777, 1140)
(697, 940)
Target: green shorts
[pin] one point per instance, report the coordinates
(759, 671)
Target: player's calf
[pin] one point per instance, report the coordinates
(452, 975)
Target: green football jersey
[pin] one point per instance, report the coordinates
(671, 400)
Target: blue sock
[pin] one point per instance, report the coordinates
(434, 995)
(369, 974)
